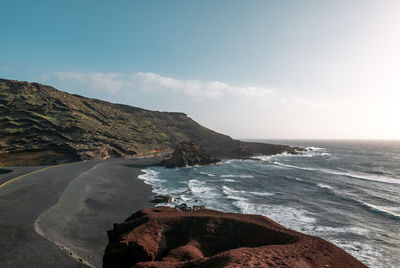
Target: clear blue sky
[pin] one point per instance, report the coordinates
(250, 69)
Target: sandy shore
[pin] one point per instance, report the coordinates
(70, 209)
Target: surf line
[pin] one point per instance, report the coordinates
(38, 171)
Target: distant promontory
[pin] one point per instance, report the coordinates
(42, 125)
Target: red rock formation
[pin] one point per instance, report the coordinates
(167, 237)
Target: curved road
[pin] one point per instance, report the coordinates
(79, 194)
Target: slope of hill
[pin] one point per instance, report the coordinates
(42, 125)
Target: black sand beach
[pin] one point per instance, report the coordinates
(71, 206)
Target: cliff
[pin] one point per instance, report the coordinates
(42, 125)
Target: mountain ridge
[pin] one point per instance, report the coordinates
(40, 124)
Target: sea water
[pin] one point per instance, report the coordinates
(347, 192)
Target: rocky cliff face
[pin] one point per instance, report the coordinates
(166, 237)
(189, 154)
(42, 125)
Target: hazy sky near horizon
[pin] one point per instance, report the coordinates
(249, 69)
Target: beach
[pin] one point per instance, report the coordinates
(59, 216)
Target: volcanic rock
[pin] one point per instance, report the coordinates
(167, 237)
(4, 171)
(42, 125)
(163, 198)
(189, 154)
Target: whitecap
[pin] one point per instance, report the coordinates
(207, 174)
(228, 191)
(229, 180)
(237, 176)
(392, 211)
(261, 193)
(321, 185)
(328, 230)
(313, 148)
(346, 174)
(292, 166)
(362, 176)
(262, 157)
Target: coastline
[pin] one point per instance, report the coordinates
(89, 206)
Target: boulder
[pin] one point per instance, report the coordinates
(183, 207)
(198, 207)
(168, 237)
(189, 154)
(163, 198)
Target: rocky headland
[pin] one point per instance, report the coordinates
(42, 125)
(168, 237)
(189, 154)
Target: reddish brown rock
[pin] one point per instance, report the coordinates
(167, 237)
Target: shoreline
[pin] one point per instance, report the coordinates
(62, 247)
(78, 221)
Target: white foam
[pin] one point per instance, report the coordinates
(346, 174)
(197, 187)
(393, 211)
(309, 152)
(291, 166)
(293, 218)
(201, 190)
(367, 254)
(229, 180)
(227, 190)
(262, 157)
(321, 185)
(150, 177)
(363, 176)
(237, 176)
(319, 230)
(207, 174)
(313, 148)
(261, 193)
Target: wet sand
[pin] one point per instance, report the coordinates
(51, 216)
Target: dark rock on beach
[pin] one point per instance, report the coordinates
(190, 154)
(163, 198)
(167, 237)
(4, 171)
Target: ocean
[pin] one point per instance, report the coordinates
(347, 192)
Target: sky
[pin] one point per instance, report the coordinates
(249, 69)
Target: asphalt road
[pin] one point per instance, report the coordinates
(72, 205)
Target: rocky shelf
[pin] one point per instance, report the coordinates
(168, 237)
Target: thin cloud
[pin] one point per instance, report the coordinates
(109, 82)
(303, 101)
(150, 82)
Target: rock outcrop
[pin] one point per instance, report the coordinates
(4, 171)
(167, 237)
(190, 154)
(160, 198)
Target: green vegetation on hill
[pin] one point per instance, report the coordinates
(40, 124)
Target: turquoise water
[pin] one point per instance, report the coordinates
(346, 192)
